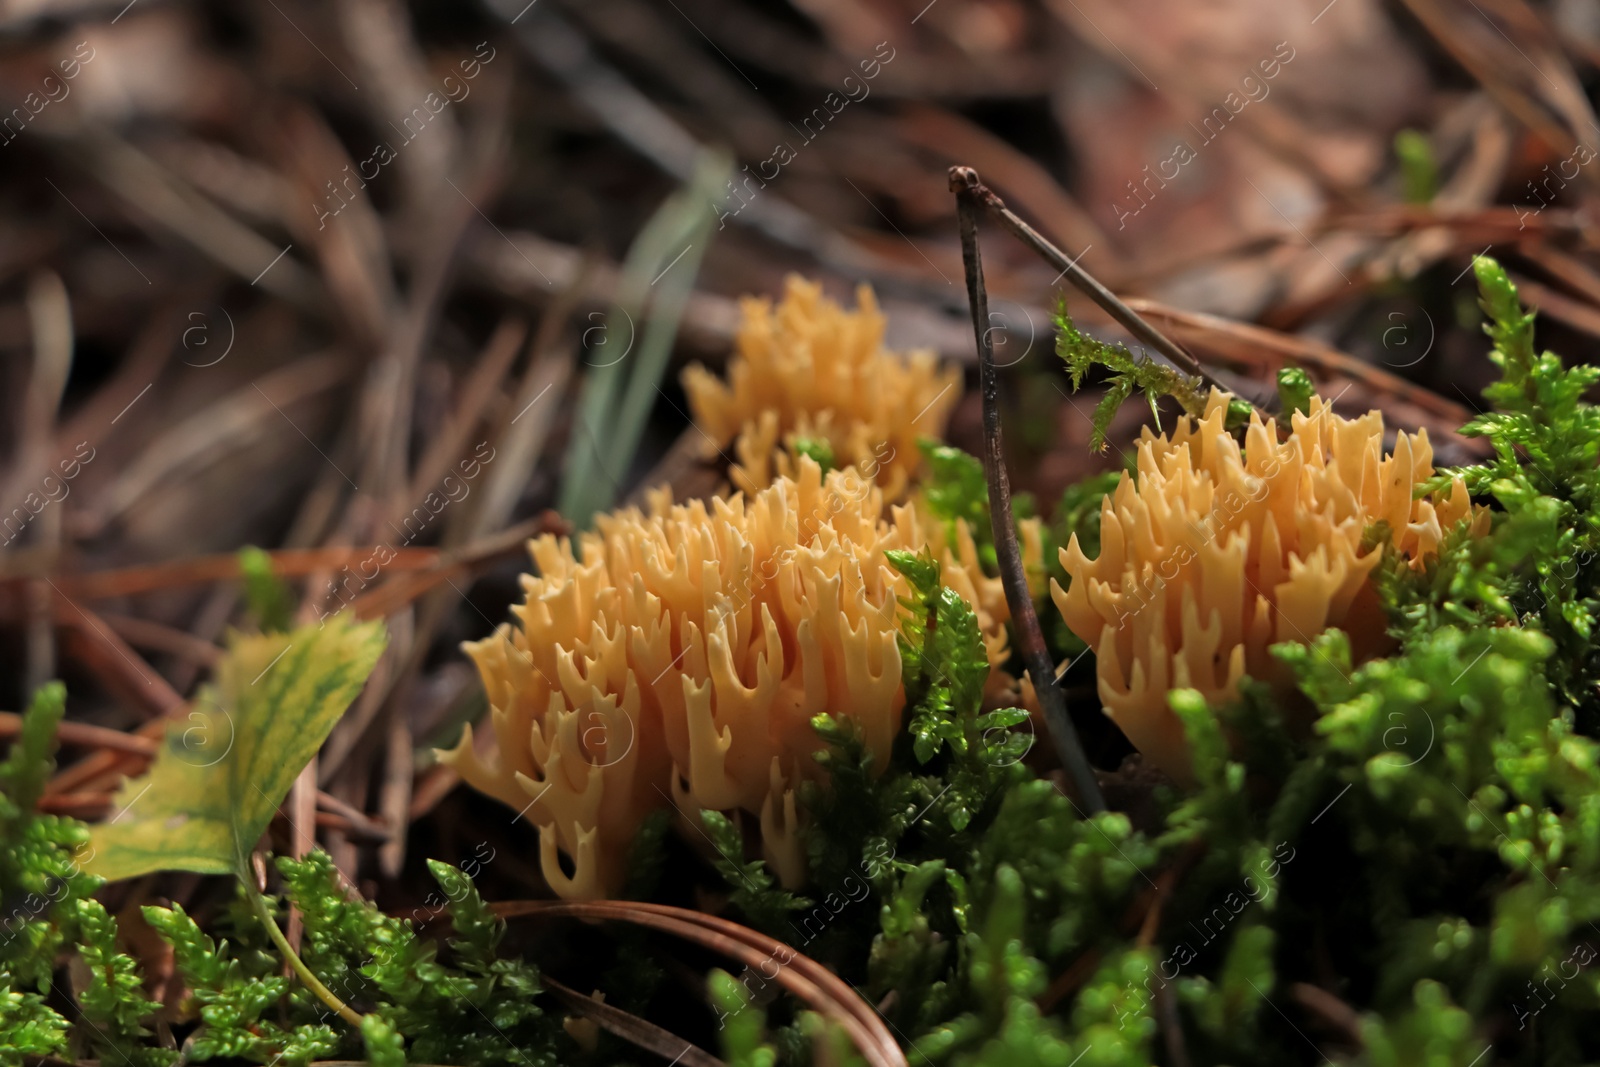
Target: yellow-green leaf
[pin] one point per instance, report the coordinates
(223, 771)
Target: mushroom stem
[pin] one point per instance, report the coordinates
(964, 183)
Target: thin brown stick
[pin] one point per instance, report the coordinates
(1331, 1008)
(145, 747)
(632, 1029)
(1067, 982)
(286, 563)
(207, 625)
(122, 670)
(1261, 352)
(1143, 914)
(145, 633)
(394, 794)
(106, 763)
(86, 734)
(50, 314)
(477, 390)
(434, 565)
(1166, 882)
(391, 596)
(329, 812)
(360, 822)
(964, 183)
(1028, 182)
(1171, 1026)
(431, 786)
(801, 975)
(301, 810)
(1567, 268)
(1578, 314)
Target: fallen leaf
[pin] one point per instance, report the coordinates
(221, 774)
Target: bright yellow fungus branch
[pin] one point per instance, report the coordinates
(677, 656)
(1212, 554)
(809, 368)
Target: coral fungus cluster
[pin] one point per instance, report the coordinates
(676, 656)
(1212, 553)
(809, 369)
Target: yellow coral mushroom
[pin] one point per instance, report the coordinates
(1214, 553)
(678, 656)
(808, 368)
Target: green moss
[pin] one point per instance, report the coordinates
(1295, 391)
(818, 449)
(1126, 372)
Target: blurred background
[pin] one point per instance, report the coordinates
(272, 272)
